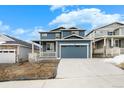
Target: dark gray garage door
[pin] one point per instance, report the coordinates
(74, 51)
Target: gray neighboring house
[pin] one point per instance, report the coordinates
(13, 50)
(65, 43)
(108, 41)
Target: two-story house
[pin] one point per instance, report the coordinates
(108, 41)
(65, 43)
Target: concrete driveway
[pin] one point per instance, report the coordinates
(78, 73)
(78, 68)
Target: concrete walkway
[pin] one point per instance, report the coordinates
(78, 73)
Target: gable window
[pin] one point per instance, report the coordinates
(75, 32)
(57, 35)
(44, 35)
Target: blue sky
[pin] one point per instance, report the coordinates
(25, 22)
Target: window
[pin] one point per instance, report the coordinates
(110, 33)
(57, 35)
(5, 51)
(117, 43)
(44, 35)
(75, 32)
(11, 51)
(49, 46)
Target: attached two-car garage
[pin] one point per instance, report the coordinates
(74, 51)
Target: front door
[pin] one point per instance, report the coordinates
(50, 47)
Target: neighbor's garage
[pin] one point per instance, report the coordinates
(74, 51)
(7, 56)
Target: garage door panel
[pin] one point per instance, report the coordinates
(7, 57)
(74, 51)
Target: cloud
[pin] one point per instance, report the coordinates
(28, 34)
(56, 7)
(3, 27)
(93, 16)
(36, 30)
(21, 33)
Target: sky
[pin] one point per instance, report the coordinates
(25, 21)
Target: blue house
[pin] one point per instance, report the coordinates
(65, 43)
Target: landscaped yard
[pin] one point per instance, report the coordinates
(46, 69)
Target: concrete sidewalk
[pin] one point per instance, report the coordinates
(78, 73)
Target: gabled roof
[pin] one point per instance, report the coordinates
(105, 26)
(73, 28)
(17, 41)
(64, 29)
(59, 28)
(73, 35)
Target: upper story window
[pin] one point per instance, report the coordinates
(75, 32)
(110, 33)
(44, 35)
(57, 35)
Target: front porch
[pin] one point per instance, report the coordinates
(108, 47)
(49, 49)
(46, 49)
(110, 52)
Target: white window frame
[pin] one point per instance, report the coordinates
(51, 46)
(57, 35)
(108, 33)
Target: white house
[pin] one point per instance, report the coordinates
(13, 50)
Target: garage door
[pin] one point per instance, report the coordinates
(7, 56)
(73, 51)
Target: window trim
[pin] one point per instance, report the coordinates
(57, 35)
(75, 32)
(44, 35)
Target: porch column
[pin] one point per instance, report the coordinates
(91, 49)
(104, 47)
(112, 44)
(56, 49)
(120, 31)
(40, 48)
(32, 48)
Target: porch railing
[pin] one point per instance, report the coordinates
(110, 51)
(99, 51)
(113, 51)
(47, 54)
(121, 50)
